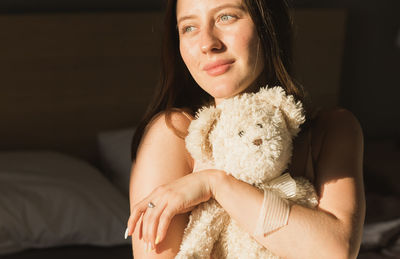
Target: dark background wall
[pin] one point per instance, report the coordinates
(370, 86)
(371, 64)
(78, 5)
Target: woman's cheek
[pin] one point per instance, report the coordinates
(186, 53)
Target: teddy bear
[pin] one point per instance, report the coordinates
(249, 137)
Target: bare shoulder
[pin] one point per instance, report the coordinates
(338, 120)
(339, 136)
(173, 124)
(166, 133)
(162, 155)
(336, 125)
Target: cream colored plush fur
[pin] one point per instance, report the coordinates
(225, 137)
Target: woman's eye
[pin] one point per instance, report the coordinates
(241, 133)
(226, 17)
(188, 29)
(259, 125)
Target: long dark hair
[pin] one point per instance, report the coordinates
(177, 88)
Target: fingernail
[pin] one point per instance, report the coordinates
(157, 240)
(148, 247)
(145, 247)
(126, 232)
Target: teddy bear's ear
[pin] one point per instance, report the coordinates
(292, 110)
(197, 140)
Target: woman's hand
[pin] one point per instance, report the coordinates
(177, 197)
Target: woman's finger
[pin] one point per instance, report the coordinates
(164, 221)
(136, 213)
(141, 227)
(151, 219)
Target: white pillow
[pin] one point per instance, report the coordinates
(115, 155)
(49, 199)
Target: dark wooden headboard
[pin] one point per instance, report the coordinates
(67, 76)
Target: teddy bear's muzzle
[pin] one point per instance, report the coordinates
(257, 142)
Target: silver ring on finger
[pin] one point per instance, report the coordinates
(150, 205)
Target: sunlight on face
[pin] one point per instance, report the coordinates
(219, 44)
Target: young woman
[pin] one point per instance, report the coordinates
(213, 50)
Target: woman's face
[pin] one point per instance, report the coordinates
(219, 44)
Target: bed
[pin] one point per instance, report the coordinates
(74, 85)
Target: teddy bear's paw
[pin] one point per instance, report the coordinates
(305, 193)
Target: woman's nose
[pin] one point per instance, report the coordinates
(210, 41)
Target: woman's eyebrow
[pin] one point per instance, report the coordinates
(216, 9)
(187, 17)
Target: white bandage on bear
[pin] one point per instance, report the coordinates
(275, 209)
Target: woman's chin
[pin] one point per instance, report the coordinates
(223, 92)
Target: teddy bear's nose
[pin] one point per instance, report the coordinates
(257, 142)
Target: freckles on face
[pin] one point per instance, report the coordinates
(219, 44)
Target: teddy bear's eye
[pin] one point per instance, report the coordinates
(241, 133)
(260, 125)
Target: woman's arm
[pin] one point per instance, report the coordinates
(333, 230)
(161, 158)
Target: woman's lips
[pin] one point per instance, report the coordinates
(218, 67)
